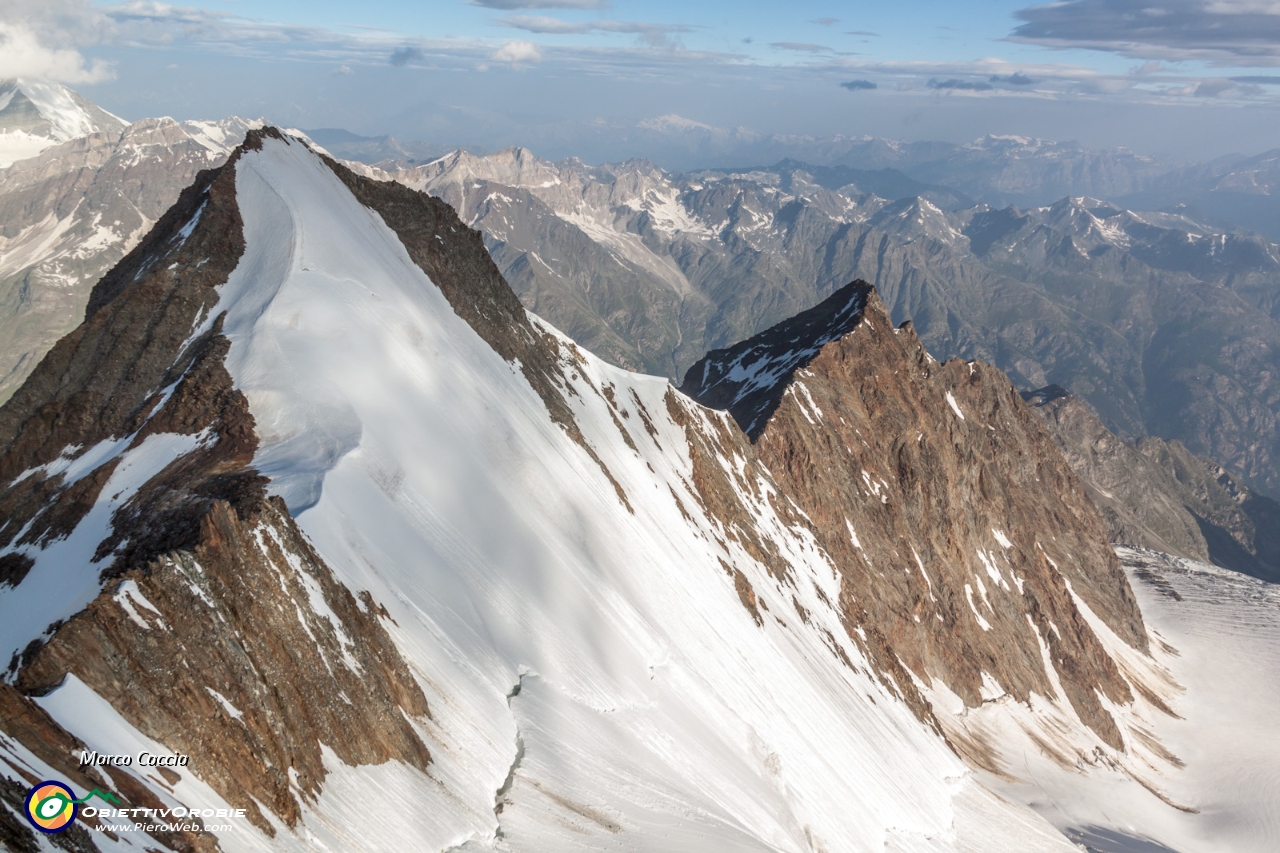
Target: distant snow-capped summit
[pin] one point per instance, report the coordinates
(36, 114)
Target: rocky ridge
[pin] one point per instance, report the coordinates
(1144, 315)
(930, 485)
(132, 444)
(1156, 494)
(196, 556)
(69, 214)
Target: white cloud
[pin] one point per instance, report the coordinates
(22, 55)
(42, 38)
(516, 53)
(1243, 7)
(654, 35)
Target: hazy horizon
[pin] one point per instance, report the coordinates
(1179, 80)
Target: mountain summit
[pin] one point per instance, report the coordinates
(35, 114)
(310, 498)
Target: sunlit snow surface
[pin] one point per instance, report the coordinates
(651, 713)
(66, 118)
(595, 682)
(1222, 631)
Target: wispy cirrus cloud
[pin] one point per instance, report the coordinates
(1222, 32)
(651, 34)
(513, 5)
(800, 46)
(50, 38)
(1153, 83)
(150, 23)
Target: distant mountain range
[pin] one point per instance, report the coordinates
(1165, 322)
(69, 213)
(1156, 494)
(996, 170)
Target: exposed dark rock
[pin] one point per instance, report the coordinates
(857, 426)
(14, 567)
(749, 379)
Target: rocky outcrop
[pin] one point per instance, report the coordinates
(70, 214)
(1157, 494)
(278, 659)
(961, 536)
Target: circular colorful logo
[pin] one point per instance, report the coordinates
(51, 807)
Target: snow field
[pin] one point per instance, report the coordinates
(1200, 780)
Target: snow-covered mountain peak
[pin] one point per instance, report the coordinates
(912, 218)
(673, 122)
(749, 379)
(1007, 142)
(555, 604)
(36, 114)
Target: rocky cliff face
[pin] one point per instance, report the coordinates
(1156, 494)
(934, 489)
(327, 509)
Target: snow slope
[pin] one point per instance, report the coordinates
(59, 115)
(595, 681)
(1216, 643)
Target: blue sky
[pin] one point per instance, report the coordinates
(952, 31)
(604, 79)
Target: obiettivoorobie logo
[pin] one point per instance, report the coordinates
(52, 806)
